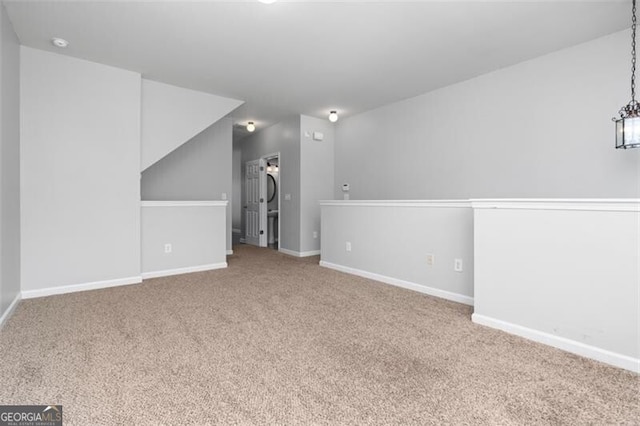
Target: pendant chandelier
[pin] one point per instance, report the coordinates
(628, 125)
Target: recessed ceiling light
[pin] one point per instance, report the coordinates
(250, 126)
(333, 116)
(59, 42)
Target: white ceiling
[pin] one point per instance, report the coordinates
(302, 57)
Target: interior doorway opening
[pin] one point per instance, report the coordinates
(262, 201)
(273, 200)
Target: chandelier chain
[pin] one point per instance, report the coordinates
(633, 54)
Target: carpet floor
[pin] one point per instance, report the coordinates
(279, 340)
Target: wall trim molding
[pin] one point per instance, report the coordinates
(236, 231)
(96, 285)
(586, 204)
(397, 203)
(73, 288)
(212, 203)
(12, 307)
(180, 271)
(431, 291)
(568, 345)
(229, 252)
(299, 253)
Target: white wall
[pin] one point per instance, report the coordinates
(390, 242)
(565, 273)
(195, 230)
(283, 137)
(80, 172)
(316, 178)
(541, 128)
(173, 115)
(198, 170)
(9, 165)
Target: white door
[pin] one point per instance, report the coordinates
(255, 188)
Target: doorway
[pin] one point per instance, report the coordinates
(273, 200)
(262, 201)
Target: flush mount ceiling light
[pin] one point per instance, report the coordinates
(628, 125)
(333, 116)
(251, 127)
(267, 1)
(59, 42)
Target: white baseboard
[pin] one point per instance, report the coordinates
(50, 291)
(243, 241)
(431, 291)
(299, 253)
(12, 307)
(229, 252)
(575, 347)
(180, 271)
(289, 252)
(236, 231)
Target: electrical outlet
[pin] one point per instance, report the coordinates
(224, 196)
(457, 265)
(287, 197)
(431, 259)
(348, 246)
(168, 248)
(315, 234)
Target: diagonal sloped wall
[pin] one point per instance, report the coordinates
(199, 169)
(173, 115)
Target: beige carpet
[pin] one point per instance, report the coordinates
(278, 340)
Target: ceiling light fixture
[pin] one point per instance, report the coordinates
(628, 125)
(251, 127)
(267, 1)
(333, 116)
(59, 42)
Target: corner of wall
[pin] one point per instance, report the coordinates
(317, 140)
(10, 277)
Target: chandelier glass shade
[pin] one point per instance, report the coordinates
(628, 127)
(628, 124)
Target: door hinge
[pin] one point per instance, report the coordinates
(261, 232)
